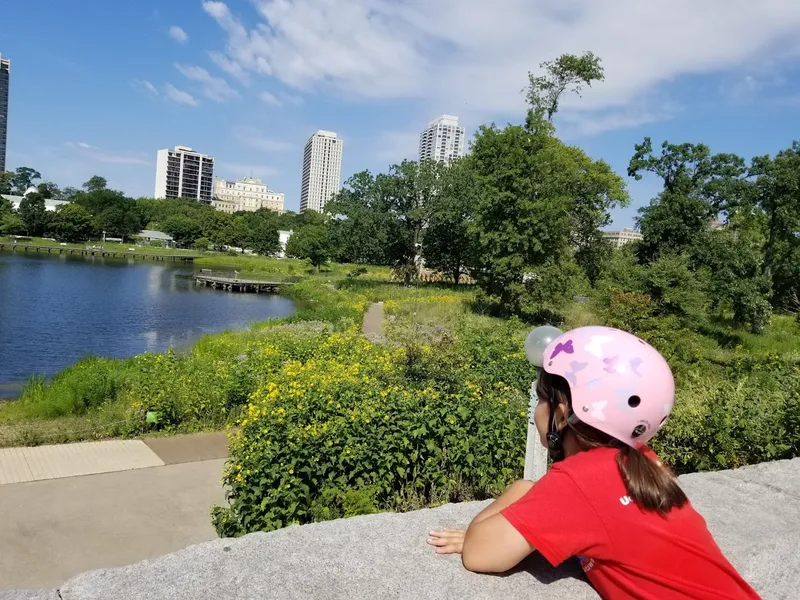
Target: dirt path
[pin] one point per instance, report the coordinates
(373, 323)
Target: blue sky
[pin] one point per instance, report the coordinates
(98, 86)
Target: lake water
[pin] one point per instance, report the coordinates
(55, 310)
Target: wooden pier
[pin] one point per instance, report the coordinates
(232, 283)
(97, 252)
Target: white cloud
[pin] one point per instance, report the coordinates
(177, 96)
(231, 67)
(249, 136)
(268, 98)
(90, 152)
(471, 57)
(215, 88)
(145, 86)
(178, 34)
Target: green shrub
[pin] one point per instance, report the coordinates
(350, 430)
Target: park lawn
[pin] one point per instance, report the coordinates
(107, 246)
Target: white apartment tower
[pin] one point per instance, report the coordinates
(443, 140)
(322, 170)
(184, 173)
(246, 194)
(5, 76)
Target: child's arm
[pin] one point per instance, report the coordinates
(513, 493)
(492, 544)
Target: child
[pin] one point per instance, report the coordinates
(603, 394)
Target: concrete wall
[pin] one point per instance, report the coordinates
(753, 512)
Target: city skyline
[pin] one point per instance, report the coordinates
(241, 85)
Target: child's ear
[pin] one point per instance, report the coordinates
(561, 415)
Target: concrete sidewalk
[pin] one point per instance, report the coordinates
(52, 530)
(19, 465)
(72, 507)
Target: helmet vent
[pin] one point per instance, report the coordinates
(634, 401)
(638, 430)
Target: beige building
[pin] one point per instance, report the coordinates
(620, 238)
(246, 194)
(322, 168)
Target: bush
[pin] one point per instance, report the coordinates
(349, 430)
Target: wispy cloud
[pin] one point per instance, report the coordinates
(231, 67)
(291, 99)
(178, 34)
(177, 96)
(144, 86)
(91, 152)
(268, 98)
(253, 138)
(214, 88)
(386, 49)
(584, 123)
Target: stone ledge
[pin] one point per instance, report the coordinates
(753, 512)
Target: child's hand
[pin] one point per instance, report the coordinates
(447, 541)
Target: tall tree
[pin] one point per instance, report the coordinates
(6, 182)
(312, 242)
(184, 230)
(778, 196)
(34, 215)
(698, 186)
(362, 224)
(568, 73)
(50, 190)
(447, 244)
(71, 223)
(25, 178)
(95, 184)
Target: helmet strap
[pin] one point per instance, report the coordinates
(555, 441)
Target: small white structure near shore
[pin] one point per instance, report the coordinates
(149, 236)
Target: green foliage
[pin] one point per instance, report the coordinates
(312, 241)
(567, 73)
(202, 244)
(71, 223)
(23, 179)
(183, 229)
(95, 184)
(447, 245)
(345, 430)
(33, 214)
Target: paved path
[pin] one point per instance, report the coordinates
(144, 498)
(19, 465)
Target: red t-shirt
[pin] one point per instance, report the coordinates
(581, 508)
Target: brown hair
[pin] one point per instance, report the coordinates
(650, 485)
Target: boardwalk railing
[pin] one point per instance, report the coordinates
(232, 283)
(96, 252)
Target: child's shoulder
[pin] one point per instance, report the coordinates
(596, 459)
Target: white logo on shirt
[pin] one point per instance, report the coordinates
(625, 500)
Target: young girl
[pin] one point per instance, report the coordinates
(603, 394)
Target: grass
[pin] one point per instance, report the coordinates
(107, 246)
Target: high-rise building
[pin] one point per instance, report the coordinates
(443, 140)
(245, 194)
(5, 75)
(184, 173)
(322, 170)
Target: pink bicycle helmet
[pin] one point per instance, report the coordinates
(619, 383)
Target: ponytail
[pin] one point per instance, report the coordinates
(649, 484)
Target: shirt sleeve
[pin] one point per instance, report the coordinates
(557, 519)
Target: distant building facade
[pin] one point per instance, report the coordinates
(443, 140)
(5, 81)
(322, 170)
(184, 173)
(245, 194)
(620, 238)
